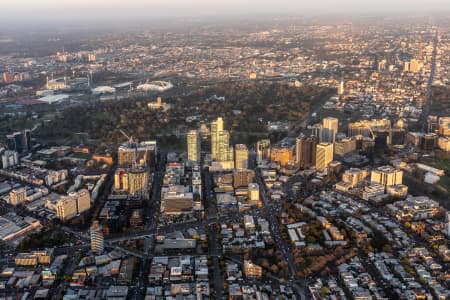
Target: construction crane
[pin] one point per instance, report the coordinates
(372, 133)
(130, 138)
(131, 143)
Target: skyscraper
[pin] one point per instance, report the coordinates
(359, 128)
(216, 128)
(97, 239)
(225, 151)
(193, 145)
(316, 130)
(9, 159)
(447, 224)
(406, 66)
(282, 155)
(420, 51)
(8, 77)
(220, 143)
(19, 141)
(134, 181)
(305, 151)
(241, 156)
(414, 66)
(341, 88)
(263, 150)
(345, 146)
(324, 155)
(329, 130)
(433, 125)
(444, 126)
(366, 127)
(382, 65)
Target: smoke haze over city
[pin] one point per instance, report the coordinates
(49, 11)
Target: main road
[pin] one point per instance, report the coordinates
(285, 248)
(429, 98)
(212, 233)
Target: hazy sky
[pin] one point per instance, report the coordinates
(71, 10)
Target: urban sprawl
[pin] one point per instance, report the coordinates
(171, 186)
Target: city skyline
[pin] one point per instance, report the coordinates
(224, 150)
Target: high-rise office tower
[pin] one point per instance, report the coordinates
(133, 181)
(316, 130)
(360, 128)
(138, 182)
(414, 66)
(241, 156)
(225, 151)
(263, 150)
(282, 155)
(444, 126)
(8, 77)
(433, 124)
(121, 180)
(324, 155)
(341, 88)
(406, 66)
(382, 65)
(193, 145)
(9, 159)
(447, 224)
(305, 151)
(97, 239)
(420, 51)
(329, 130)
(345, 146)
(19, 141)
(366, 127)
(216, 128)
(220, 143)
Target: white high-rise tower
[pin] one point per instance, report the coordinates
(97, 239)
